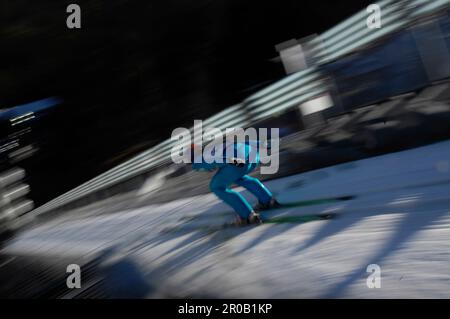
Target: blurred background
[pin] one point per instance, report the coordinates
(135, 71)
(86, 114)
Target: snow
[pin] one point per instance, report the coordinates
(399, 220)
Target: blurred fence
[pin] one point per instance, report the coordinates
(13, 202)
(377, 69)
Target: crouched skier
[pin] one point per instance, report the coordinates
(239, 159)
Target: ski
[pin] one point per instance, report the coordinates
(299, 219)
(302, 203)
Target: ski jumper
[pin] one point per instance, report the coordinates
(229, 173)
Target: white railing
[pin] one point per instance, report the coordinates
(13, 201)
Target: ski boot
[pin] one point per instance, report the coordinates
(252, 219)
(273, 203)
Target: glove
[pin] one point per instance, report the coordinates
(238, 162)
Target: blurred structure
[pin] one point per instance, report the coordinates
(297, 55)
(22, 132)
(13, 201)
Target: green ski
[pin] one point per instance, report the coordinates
(299, 219)
(302, 203)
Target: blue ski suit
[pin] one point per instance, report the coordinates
(229, 174)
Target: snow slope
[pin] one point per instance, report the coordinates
(399, 220)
